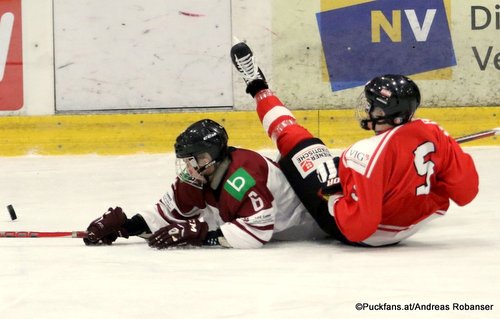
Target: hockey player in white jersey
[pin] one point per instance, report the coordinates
(223, 195)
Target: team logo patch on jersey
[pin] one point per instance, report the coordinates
(239, 183)
(309, 158)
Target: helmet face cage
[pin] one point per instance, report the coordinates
(368, 113)
(363, 108)
(190, 170)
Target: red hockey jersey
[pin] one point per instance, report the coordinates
(396, 181)
(252, 204)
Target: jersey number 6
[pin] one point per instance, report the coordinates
(257, 202)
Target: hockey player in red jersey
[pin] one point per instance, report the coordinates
(382, 189)
(223, 196)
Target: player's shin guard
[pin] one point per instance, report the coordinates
(279, 123)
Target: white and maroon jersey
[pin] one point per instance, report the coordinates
(253, 203)
(396, 181)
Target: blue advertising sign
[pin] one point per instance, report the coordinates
(386, 36)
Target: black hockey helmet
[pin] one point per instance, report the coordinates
(200, 137)
(192, 145)
(396, 95)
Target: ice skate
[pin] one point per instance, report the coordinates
(244, 62)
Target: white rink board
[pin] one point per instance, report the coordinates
(454, 260)
(132, 54)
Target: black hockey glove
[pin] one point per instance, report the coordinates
(328, 177)
(212, 238)
(106, 229)
(191, 232)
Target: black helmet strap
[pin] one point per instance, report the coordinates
(203, 168)
(393, 120)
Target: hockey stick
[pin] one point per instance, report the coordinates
(83, 234)
(41, 234)
(478, 135)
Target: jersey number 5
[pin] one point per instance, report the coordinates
(423, 167)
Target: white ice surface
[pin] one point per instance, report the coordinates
(456, 259)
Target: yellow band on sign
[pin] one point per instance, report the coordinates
(155, 133)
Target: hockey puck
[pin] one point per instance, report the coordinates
(12, 212)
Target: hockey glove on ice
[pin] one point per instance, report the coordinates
(190, 232)
(106, 229)
(328, 177)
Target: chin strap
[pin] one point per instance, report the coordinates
(394, 121)
(374, 121)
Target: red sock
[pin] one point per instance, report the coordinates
(279, 123)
